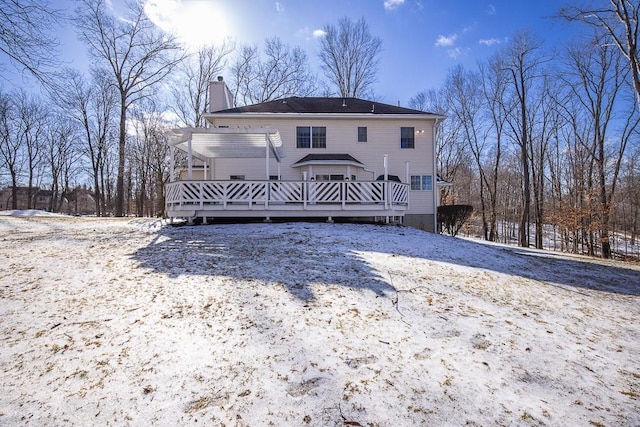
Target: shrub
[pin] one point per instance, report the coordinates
(451, 218)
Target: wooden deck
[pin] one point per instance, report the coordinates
(210, 199)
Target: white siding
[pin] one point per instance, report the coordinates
(383, 135)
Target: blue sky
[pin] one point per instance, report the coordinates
(422, 39)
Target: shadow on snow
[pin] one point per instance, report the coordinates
(297, 256)
(292, 256)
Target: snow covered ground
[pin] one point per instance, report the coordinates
(132, 322)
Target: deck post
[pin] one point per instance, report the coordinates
(172, 161)
(343, 193)
(407, 178)
(385, 163)
(266, 144)
(189, 159)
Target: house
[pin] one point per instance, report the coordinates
(35, 197)
(77, 201)
(306, 157)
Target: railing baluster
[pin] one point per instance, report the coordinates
(270, 195)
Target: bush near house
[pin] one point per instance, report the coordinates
(451, 218)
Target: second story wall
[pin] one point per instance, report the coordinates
(383, 136)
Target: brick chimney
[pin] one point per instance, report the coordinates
(220, 97)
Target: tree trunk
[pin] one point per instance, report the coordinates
(14, 191)
(119, 208)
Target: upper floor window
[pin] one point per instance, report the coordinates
(311, 137)
(421, 182)
(362, 134)
(407, 137)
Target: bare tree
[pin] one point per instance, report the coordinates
(420, 101)
(349, 55)
(30, 123)
(62, 155)
(522, 61)
(599, 83)
(149, 153)
(10, 147)
(138, 56)
(545, 120)
(464, 89)
(280, 71)
(92, 106)
(27, 35)
(620, 20)
(494, 88)
(191, 89)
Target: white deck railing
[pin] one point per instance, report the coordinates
(289, 195)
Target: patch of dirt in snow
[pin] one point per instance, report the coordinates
(117, 321)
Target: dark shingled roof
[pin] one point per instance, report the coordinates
(322, 105)
(328, 157)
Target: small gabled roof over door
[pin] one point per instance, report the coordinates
(328, 159)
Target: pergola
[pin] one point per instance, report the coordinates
(208, 143)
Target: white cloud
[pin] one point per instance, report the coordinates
(319, 33)
(444, 41)
(469, 27)
(454, 53)
(491, 10)
(489, 42)
(279, 7)
(392, 4)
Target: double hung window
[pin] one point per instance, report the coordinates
(407, 137)
(421, 182)
(362, 134)
(311, 137)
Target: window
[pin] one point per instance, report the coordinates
(303, 137)
(236, 177)
(318, 137)
(362, 134)
(421, 182)
(407, 137)
(274, 178)
(311, 137)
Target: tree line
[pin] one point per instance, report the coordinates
(535, 139)
(115, 118)
(545, 143)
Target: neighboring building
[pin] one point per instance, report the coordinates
(307, 157)
(79, 201)
(40, 198)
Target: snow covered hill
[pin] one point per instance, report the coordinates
(133, 322)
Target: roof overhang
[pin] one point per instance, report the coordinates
(227, 142)
(328, 159)
(442, 183)
(425, 116)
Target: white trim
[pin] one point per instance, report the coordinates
(434, 176)
(344, 116)
(328, 163)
